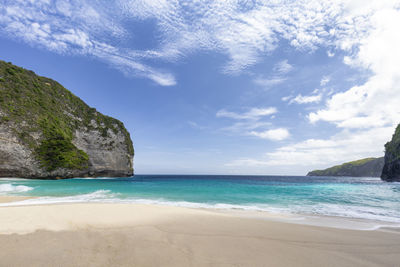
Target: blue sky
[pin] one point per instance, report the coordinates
(223, 87)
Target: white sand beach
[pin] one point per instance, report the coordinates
(150, 235)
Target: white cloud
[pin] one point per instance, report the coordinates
(252, 114)
(315, 97)
(366, 114)
(75, 27)
(287, 98)
(374, 103)
(279, 70)
(300, 99)
(283, 67)
(269, 82)
(321, 153)
(325, 80)
(345, 146)
(246, 126)
(243, 31)
(250, 123)
(278, 134)
(131, 67)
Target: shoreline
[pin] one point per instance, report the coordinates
(338, 222)
(99, 234)
(9, 199)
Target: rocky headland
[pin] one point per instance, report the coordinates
(47, 132)
(391, 169)
(388, 167)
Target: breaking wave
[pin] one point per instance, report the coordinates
(10, 188)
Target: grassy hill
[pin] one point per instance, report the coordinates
(368, 167)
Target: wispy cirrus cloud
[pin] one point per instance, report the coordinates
(306, 99)
(252, 123)
(252, 114)
(283, 67)
(246, 126)
(269, 82)
(277, 75)
(243, 31)
(277, 134)
(316, 96)
(76, 27)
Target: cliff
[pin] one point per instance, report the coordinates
(391, 169)
(369, 167)
(47, 132)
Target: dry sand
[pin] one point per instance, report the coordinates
(149, 235)
(5, 199)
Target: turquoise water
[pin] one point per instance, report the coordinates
(366, 198)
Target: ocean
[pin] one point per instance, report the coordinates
(350, 197)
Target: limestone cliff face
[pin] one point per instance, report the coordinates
(391, 169)
(47, 132)
(107, 156)
(369, 167)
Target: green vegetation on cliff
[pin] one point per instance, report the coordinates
(56, 149)
(368, 167)
(37, 106)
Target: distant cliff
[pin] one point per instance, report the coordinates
(391, 169)
(369, 167)
(47, 132)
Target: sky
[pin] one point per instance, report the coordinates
(274, 87)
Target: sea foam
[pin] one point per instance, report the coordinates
(97, 196)
(10, 188)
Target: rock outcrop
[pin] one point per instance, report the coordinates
(369, 167)
(47, 132)
(391, 169)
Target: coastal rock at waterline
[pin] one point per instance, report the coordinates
(391, 169)
(47, 132)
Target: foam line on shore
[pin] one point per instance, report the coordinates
(290, 214)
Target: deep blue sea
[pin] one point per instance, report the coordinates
(364, 198)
